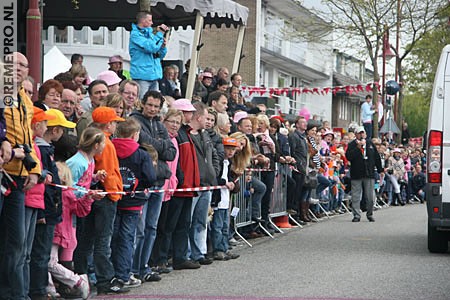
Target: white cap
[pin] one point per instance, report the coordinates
(360, 129)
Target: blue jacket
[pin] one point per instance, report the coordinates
(146, 52)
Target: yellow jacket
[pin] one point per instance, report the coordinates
(18, 131)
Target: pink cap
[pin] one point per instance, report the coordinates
(207, 75)
(110, 77)
(239, 115)
(115, 58)
(183, 105)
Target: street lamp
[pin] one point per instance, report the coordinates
(387, 55)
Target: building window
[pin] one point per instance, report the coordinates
(98, 36)
(184, 51)
(110, 37)
(81, 36)
(61, 35)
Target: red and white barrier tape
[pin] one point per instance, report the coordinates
(145, 191)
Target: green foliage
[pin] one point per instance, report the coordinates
(415, 112)
(419, 74)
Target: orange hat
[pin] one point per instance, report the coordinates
(105, 115)
(40, 115)
(230, 142)
(59, 119)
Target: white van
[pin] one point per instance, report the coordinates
(438, 158)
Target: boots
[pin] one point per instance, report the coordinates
(304, 207)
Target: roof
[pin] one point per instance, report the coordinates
(121, 13)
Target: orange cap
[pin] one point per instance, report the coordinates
(40, 115)
(105, 115)
(230, 142)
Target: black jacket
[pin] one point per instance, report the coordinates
(216, 195)
(208, 161)
(299, 150)
(359, 166)
(52, 195)
(154, 133)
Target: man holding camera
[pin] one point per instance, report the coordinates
(147, 49)
(23, 172)
(364, 158)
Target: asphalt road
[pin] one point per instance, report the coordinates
(334, 259)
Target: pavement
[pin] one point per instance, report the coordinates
(333, 259)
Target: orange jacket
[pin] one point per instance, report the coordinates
(109, 162)
(18, 131)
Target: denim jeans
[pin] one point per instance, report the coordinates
(259, 190)
(96, 233)
(12, 242)
(368, 127)
(198, 232)
(122, 242)
(146, 233)
(268, 179)
(323, 183)
(40, 256)
(30, 229)
(147, 85)
(219, 229)
(176, 230)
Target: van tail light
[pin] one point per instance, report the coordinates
(434, 157)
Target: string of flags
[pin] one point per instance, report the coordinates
(349, 89)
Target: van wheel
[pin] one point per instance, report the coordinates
(437, 240)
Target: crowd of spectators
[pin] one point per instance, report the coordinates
(121, 144)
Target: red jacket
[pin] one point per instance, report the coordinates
(187, 162)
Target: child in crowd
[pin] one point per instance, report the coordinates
(48, 218)
(94, 236)
(34, 198)
(64, 241)
(221, 203)
(138, 173)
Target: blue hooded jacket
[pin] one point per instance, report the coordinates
(146, 52)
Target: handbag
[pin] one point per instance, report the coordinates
(311, 179)
(310, 176)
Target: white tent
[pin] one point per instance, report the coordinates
(54, 63)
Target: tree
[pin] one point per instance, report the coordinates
(420, 69)
(368, 21)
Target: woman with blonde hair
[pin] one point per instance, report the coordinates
(241, 160)
(117, 102)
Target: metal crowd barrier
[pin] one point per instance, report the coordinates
(244, 217)
(278, 202)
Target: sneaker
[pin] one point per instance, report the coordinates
(132, 282)
(233, 242)
(187, 264)
(83, 286)
(205, 261)
(232, 255)
(151, 277)
(313, 201)
(355, 219)
(113, 287)
(221, 256)
(163, 269)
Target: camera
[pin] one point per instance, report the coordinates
(28, 162)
